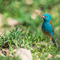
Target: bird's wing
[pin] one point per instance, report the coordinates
(46, 33)
(53, 29)
(52, 26)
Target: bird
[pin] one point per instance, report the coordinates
(47, 28)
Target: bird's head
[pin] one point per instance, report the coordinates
(46, 17)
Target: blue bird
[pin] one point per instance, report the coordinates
(47, 28)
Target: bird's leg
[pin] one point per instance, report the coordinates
(44, 38)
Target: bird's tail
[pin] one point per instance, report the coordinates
(53, 39)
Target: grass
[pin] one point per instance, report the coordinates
(20, 38)
(8, 58)
(28, 33)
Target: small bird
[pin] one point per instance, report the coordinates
(47, 27)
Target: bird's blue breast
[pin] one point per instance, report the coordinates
(47, 27)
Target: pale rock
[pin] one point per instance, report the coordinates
(24, 54)
(29, 2)
(57, 56)
(12, 22)
(37, 12)
(34, 16)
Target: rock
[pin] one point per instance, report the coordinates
(34, 16)
(36, 13)
(24, 54)
(29, 2)
(7, 21)
(12, 22)
(57, 56)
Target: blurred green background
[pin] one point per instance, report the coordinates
(28, 14)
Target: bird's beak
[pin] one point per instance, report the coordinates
(43, 17)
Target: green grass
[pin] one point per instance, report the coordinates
(8, 58)
(28, 33)
(20, 38)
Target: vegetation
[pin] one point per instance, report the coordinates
(28, 33)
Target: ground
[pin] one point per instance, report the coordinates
(27, 33)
